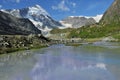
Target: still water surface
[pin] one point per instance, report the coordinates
(98, 61)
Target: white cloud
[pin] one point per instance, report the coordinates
(73, 4)
(61, 6)
(98, 17)
(14, 1)
(64, 5)
(0, 6)
(92, 6)
(17, 1)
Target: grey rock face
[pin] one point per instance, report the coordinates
(112, 15)
(12, 25)
(77, 22)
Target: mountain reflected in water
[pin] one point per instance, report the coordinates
(59, 62)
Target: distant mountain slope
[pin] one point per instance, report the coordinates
(112, 15)
(12, 25)
(108, 27)
(76, 22)
(40, 18)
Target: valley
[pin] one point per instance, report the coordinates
(107, 27)
(36, 21)
(59, 40)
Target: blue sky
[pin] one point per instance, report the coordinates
(59, 9)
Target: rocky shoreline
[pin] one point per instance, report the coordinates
(12, 43)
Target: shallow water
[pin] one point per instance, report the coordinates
(98, 61)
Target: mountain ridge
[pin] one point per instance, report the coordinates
(76, 21)
(38, 16)
(112, 15)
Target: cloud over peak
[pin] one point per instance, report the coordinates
(61, 6)
(64, 5)
(17, 1)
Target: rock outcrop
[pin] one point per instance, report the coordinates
(76, 22)
(112, 15)
(12, 25)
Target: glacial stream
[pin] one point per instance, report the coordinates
(98, 61)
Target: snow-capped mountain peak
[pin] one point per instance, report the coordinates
(38, 16)
(37, 6)
(37, 10)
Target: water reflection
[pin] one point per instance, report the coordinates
(59, 62)
(69, 68)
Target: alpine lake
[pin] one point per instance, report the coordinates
(97, 61)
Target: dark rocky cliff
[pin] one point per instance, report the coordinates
(12, 25)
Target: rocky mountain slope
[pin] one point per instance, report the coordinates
(108, 27)
(76, 22)
(112, 15)
(12, 25)
(39, 17)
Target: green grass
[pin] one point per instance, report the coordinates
(117, 36)
(56, 31)
(93, 31)
(10, 50)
